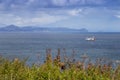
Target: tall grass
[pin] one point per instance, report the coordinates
(55, 69)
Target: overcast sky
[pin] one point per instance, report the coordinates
(95, 15)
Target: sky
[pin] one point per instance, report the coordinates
(94, 15)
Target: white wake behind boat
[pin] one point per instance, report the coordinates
(90, 38)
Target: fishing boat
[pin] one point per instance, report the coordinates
(90, 38)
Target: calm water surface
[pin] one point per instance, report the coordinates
(32, 45)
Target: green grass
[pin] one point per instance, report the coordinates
(55, 69)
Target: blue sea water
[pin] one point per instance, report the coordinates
(34, 45)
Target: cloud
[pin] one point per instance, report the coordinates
(118, 16)
(86, 2)
(36, 19)
(47, 19)
(37, 4)
(77, 2)
(10, 19)
(59, 2)
(75, 12)
(94, 18)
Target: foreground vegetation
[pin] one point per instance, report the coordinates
(55, 69)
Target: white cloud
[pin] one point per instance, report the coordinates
(10, 19)
(47, 19)
(42, 19)
(118, 16)
(75, 12)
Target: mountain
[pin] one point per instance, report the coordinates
(10, 28)
(13, 28)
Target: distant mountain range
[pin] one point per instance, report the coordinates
(13, 28)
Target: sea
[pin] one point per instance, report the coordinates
(33, 45)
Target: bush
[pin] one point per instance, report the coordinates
(57, 70)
